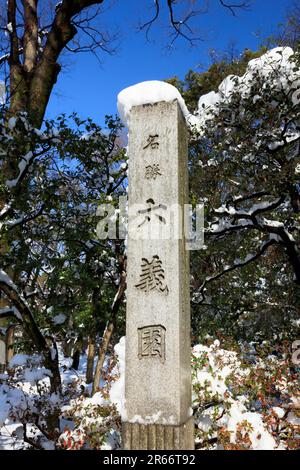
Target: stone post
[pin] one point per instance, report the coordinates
(158, 371)
(2, 356)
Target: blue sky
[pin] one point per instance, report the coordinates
(90, 88)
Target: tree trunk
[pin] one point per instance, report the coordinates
(112, 322)
(51, 361)
(32, 330)
(67, 347)
(101, 354)
(10, 343)
(90, 360)
(32, 82)
(75, 359)
(77, 353)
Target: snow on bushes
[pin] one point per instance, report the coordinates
(241, 400)
(95, 422)
(29, 411)
(242, 404)
(237, 404)
(276, 69)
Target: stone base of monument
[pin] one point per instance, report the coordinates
(158, 437)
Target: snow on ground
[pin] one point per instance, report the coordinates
(23, 394)
(233, 402)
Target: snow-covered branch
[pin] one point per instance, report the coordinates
(4, 211)
(31, 328)
(255, 210)
(23, 218)
(232, 219)
(10, 312)
(24, 164)
(8, 287)
(237, 264)
(5, 57)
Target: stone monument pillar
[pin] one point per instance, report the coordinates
(158, 371)
(2, 356)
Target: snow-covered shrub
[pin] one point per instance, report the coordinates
(244, 166)
(25, 394)
(29, 411)
(244, 401)
(95, 422)
(243, 398)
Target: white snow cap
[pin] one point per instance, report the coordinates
(148, 92)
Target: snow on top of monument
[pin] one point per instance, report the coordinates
(148, 92)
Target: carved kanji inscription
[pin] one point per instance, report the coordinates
(152, 208)
(152, 171)
(152, 142)
(152, 276)
(151, 342)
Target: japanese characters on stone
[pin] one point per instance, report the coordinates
(152, 342)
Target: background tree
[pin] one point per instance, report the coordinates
(288, 33)
(249, 294)
(249, 157)
(50, 227)
(33, 40)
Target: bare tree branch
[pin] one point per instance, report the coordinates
(232, 6)
(149, 23)
(179, 25)
(181, 28)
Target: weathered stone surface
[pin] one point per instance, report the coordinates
(2, 355)
(158, 374)
(158, 437)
